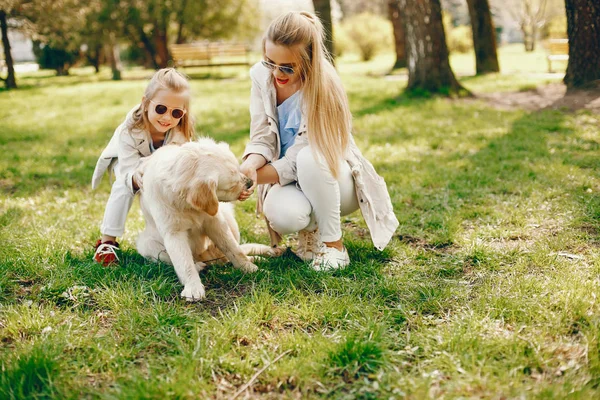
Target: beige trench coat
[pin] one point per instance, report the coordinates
(374, 199)
(128, 147)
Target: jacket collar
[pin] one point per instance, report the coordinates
(264, 77)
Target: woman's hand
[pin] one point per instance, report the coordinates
(250, 171)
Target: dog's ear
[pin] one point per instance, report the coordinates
(202, 195)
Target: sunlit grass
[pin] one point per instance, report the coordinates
(488, 290)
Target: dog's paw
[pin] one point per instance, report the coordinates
(275, 251)
(193, 292)
(248, 267)
(199, 266)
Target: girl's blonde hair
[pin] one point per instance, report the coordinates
(324, 99)
(165, 79)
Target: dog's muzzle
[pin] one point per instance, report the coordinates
(249, 183)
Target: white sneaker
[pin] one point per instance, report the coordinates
(330, 258)
(309, 244)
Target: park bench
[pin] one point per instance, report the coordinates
(558, 50)
(209, 54)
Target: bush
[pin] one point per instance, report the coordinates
(458, 38)
(54, 58)
(341, 41)
(556, 27)
(370, 34)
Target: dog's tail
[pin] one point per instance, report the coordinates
(255, 250)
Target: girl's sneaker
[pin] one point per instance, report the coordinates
(330, 258)
(106, 253)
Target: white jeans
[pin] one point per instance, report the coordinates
(117, 207)
(319, 200)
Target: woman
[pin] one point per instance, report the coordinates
(301, 151)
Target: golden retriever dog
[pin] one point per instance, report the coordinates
(187, 225)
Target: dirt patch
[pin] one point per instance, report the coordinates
(550, 97)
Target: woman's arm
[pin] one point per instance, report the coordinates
(263, 141)
(256, 168)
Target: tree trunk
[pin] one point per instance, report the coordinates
(147, 45)
(583, 30)
(160, 44)
(395, 15)
(180, 38)
(528, 38)
(94, 56)
(10, 81)
(114, 58)
(323, 11)
(429, 69)
(62, 70)
(484, 37)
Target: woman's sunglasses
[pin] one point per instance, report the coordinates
(284, 69)
(175, 112)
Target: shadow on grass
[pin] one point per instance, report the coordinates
(75, 278)
(390, 104)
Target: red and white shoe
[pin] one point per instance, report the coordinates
(106, 253)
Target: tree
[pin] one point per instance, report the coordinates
(55, 24)
(152, 23)
(428, 65)
(583, 29)
(395, 15)
(10, 81)
(370, 33)
(351, 8)
(323, 11)
(484, 37)
(531, 17)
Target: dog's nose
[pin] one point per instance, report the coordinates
(249, 183)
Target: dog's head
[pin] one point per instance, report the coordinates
(208, 172)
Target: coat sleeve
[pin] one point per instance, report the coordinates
(262, 138)
(129, 158)
(107, 159)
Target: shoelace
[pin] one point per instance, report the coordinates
(310, 242)
(105, 249)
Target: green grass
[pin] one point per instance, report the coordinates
(488, 290)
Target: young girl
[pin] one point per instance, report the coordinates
(301, 151)
(161, 118)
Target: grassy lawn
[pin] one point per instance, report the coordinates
(488, 290)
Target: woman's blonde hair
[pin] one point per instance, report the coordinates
(324, 99)
(165, 79)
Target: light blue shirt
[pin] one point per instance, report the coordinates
(152, 149)
(289, 114)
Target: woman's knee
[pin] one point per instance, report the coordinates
(287, 212)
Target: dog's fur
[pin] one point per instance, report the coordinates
(186, 225)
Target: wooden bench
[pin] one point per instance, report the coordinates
(558, 50)
(209, 54)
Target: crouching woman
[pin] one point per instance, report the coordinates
(301, 152)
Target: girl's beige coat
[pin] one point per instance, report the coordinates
(374, 199)
(128, 147)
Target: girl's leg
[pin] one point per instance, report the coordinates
(113, 224)
(116, 210)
